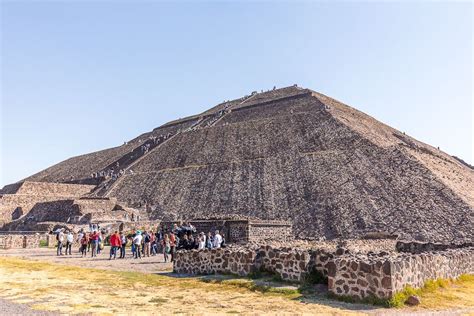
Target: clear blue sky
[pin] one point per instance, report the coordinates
(81, 76)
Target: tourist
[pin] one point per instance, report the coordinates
(166, 247)
(172, 245)
(193, 244)
(137, 241)
(84, 244)
(80, 234)
(100, 244)
(123, 241)
(183, 243)
(153, 245)
(146, 244)
(69, 242)
(94, 239)
(115, 243)
(217, 240)
(60, 239)
(223, 243)
(209, 241)
(201, 241)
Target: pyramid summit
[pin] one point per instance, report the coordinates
(285, 154)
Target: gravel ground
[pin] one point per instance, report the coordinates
(10, 308)
(153, 264)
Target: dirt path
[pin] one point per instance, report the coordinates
(153, 264)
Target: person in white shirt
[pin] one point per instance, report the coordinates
(79, 236)
(69, 241)
(217, 240)
(201, 241)
(137, 242)
(60, 239)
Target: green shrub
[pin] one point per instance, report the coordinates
(315, 277)
(43, 243)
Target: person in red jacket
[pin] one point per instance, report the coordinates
(115, 244)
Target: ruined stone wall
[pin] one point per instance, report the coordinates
(261, 231)
(238, 232)
(415, 247)
(356, 275)
(360, 276)
(414, 270)
(382, 275)
(8, 241)
(223, 260)
(9, 203)
(241, 231)
(289, 264)
(55, 189)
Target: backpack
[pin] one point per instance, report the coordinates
(147, 238)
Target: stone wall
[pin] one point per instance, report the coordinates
(382, 275)
(269, 230)
(414, 270)
(55, 189)
(8, 241)
(241, 231)
(378, 275)
(421, 247)
(289, 264)
(223, 260)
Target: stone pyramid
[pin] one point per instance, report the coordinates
(289, 154)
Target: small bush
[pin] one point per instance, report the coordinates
(43, 243)
(277, 278)
(315, 277)
(257, 274)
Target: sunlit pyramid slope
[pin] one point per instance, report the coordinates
(288, 153)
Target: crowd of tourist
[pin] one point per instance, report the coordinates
(116, 172)
(139, 243)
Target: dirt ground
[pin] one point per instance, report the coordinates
(152, 264)
(36, 280)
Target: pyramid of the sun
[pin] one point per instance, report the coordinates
(289, 153)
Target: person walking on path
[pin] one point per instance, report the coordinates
(115, 244)
(69, 242)
(123, 240)
(60, 239)
(146, 244)
(137, 241)
(172, 245)
(84, 244)
(166, 247)
(94, 243)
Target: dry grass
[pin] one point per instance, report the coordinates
(82, 290)
(445, 294)
(72, 290)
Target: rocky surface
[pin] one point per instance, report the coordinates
(291, 154)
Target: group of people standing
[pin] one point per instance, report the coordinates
(142, 244)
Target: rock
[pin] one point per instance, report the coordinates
(413, 300)
(340, 251)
